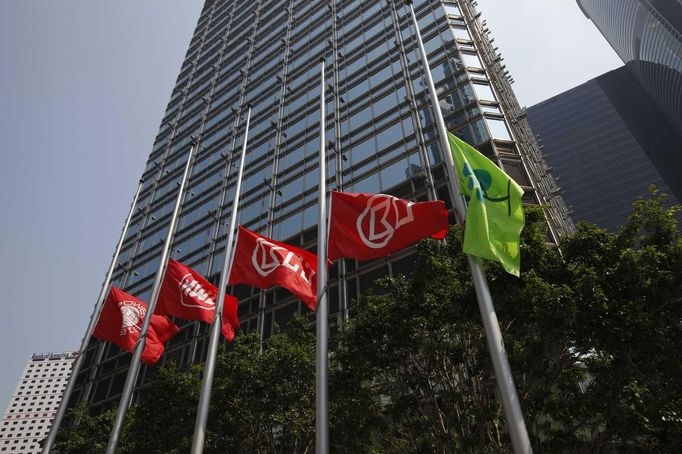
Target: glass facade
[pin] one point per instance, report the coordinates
(647, 35)
(380, 136)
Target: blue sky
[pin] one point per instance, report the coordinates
(83, 86)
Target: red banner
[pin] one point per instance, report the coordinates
(187, 295)
(370, 226)
(261, 262)
(121, 322)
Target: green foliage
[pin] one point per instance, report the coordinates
(265, 402)
(163, 423)
(594, 337)
(593, 332)
(90, 435)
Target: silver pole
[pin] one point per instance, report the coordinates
(261, 317)
(321, 358)
(503, 374)
(209, 369)
(134, 368)
(75, 369)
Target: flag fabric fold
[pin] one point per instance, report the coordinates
(495, 216)
(186, 294)
(261, 262)
(370, 226)
(120, 323)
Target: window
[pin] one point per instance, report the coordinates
(471, 60)
(461, 33)
(452, 10)
(484, 92)
(498, 129)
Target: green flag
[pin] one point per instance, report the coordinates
(495, 216)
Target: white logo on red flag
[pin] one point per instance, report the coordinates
(386, 214)
(267, 257)
(193, 295)
(132, 314)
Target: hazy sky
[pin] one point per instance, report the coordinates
(83, 86)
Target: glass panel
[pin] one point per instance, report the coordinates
(471, 60)
(369, 185)
(498, 129)
(451, 9)
(491, 109)
(484, 92)
(394, 174)
(461, 33)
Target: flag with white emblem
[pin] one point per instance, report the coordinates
(370, 226)
(120, 322)
(261, 262)
(187, 295)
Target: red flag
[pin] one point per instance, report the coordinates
(121, 322)
(261, 262)
(187, 295)
(370, 226)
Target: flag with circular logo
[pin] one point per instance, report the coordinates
(494, 219)
(186, 294)
(120, 323)
(370, 226)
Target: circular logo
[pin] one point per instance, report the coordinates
(132, 314)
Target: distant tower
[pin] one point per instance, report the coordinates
(607, 142)
(647, 35)
(34, 403)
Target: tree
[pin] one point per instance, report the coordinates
(593, 332)
(629, 287)
(265, 402)
(163, 423)
(594, 340)
(91, 434)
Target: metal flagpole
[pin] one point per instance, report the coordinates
(75, 369)
(209, 368)
(321, 358)
(503, 375)
(134, 368)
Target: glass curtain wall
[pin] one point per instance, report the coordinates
(380, 132)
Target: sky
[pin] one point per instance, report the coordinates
(83, 87)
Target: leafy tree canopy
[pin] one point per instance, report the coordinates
(593, 331)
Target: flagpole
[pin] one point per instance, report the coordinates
(321, 358)
(134, 368)
(503, 374)
(75, 369)
(209, 368)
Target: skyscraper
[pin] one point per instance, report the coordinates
(607, 143)
(30, 411)
(647, 35)
(380, 137)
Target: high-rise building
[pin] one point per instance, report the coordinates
(607, 143)
(647, 35)
(33, 405)
(381, 138)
